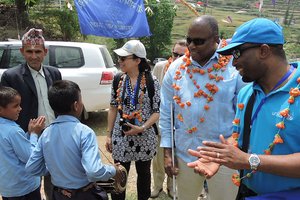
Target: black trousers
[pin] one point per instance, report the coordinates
(35, 195)
(143, 180)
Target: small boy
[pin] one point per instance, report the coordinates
(15, 149)
(69, 149)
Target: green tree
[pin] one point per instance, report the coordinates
(160, 21)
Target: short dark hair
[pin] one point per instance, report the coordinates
(7, 95)
(62, 95)
(277, 49)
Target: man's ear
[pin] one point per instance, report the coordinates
(265, 50)
(75, 106)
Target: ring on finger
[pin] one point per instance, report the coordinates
(218, 155)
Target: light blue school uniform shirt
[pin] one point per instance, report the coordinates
(264, 129)
(218, 119)
(68, 149)
(15, 149)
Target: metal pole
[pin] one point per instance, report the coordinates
(173, 150)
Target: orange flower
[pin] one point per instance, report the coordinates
(179, 117)
(188, 103)
(277, 139)
(176, 97)
(206, 107)
(291, 100)
(236, 121)
(202, 119)
(298, 80)
(280, 125)
(241, 106)
(235, 135)
(194, 129)
(236, 179)
(177, 72)
(202, 72)
(181, 105)
(267, 152)
(285, 112)
(294, 92)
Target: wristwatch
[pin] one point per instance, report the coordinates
(254, 161)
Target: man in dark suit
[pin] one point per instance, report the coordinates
(32, 80)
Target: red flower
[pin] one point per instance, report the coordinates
(188, 103)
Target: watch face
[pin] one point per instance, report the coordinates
(254, 160)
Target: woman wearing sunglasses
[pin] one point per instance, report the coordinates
(132, 114)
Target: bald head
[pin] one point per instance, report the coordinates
(207, 21)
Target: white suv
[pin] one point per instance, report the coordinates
(89, 65)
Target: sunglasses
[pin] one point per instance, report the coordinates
(177, 54)
(236, 53)
(196, 41)
(123, 58)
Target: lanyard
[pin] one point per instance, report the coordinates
(265, 98)
(133, 95)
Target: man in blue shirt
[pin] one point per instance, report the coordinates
(15, 149)
(69, 149)
(202, 86)
(271, 160)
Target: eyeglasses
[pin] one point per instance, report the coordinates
(123, 58)
(238, 52)
(177, 54)
(196, 41)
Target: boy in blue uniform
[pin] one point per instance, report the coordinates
(15, 149)
(68, 149)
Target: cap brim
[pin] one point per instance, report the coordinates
(227, 50)
(122, 52)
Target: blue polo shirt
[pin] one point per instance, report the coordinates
(264, 128)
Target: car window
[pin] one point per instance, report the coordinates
(10, 56)
(65, 57)
(107, 58)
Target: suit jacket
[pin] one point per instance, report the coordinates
(20, 79)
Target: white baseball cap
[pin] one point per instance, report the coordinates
(132, 47)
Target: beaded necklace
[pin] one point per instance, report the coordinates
(131, 103)
(294, 92)
(211, 87)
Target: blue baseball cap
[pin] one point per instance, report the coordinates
(258, 30)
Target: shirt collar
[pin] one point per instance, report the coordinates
(34, 72)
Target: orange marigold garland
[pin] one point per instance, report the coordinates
(135, 114)
(294, 92)
(211, 88)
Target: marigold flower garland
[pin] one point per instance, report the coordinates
(294, 92)
(134, 114)
(212, 88)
